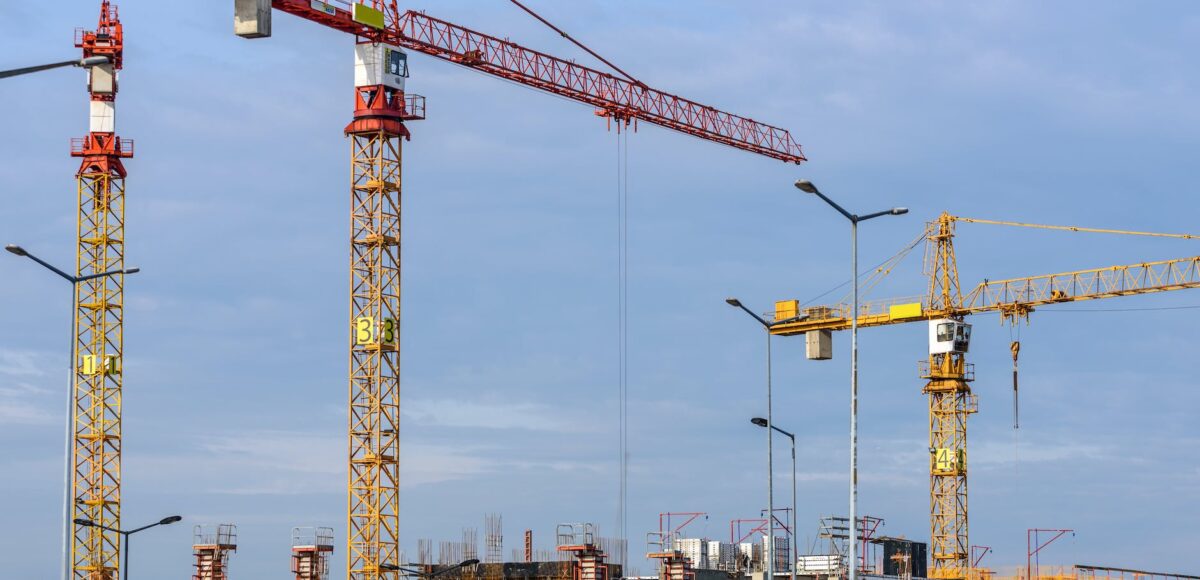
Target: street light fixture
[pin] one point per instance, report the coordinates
(88, 62)
(808, 187)
(69, 431)
(795, 514)
(125, 535)
(734, 302)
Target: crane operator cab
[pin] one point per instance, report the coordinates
(947, 335)
(376, 63)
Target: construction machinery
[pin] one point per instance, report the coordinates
(383, 107)
(947, 373)
(99, 311)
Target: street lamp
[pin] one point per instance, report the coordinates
(67, 450)
(734, 302)
(125, 534)
(795, 514)
(808, 187)
(88, 62)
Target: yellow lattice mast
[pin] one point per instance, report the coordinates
(99, 314)
(948, 374)
(375, 134)
(950, 403)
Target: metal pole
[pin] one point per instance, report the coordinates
(125, 556)
(853, 563)
(795, 514)
(770, 472)
(68, 438)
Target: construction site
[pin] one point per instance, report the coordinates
(594, 233)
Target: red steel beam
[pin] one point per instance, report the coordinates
(613, 97)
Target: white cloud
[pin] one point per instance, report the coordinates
(492, 415)
(293, 462)
(20, 363)
(23, 402)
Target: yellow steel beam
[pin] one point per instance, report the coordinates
(1006, 295)
(1073, 228)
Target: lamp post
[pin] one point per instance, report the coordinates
(795, 514)
(808, 187)
(125, 535)
(427, 575)
(88, 62)
(770, 454)
(67, 450)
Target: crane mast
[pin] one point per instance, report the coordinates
(99, 311)
(950, 404)
(376, 135)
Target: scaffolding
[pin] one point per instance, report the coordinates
(311, 547)
(579, 540)
(212, 546)
(672, 563)
(494, 538)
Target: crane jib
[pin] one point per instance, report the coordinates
(612, 96)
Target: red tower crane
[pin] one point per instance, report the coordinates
(99, 311)
(382, 107)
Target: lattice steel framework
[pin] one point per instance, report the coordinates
(99, 314)
(374, 483)
(99, 318)
(950, 403)
(612, 96)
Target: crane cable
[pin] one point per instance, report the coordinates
(563, 34)
(622, 339)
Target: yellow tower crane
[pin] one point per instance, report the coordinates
(947, 372)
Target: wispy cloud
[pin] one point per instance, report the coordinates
(20, 363)
(292, 463)
(22, 401)
(493, 415)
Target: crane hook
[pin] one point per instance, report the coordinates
(1016, 349)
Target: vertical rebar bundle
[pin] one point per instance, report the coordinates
(424, 551)
(470, 540)
(494, 538)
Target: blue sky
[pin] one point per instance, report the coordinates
(1076, 113)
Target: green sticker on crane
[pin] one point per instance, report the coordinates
(368, 16)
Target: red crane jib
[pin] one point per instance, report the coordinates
(613, 97)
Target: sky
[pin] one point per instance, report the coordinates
(1076, 113)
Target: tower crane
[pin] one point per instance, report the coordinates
(945, 308)
(382, 110)
(99, 310)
